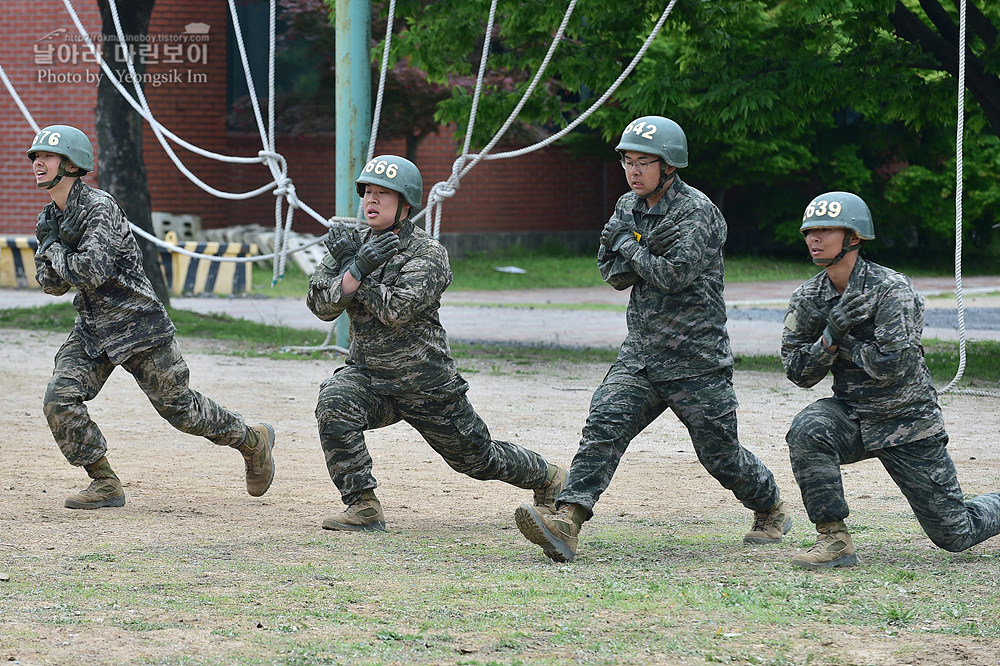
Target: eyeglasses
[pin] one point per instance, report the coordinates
(640, 167)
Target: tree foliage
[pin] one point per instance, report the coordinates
(780, 99)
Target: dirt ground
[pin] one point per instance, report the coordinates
(178, 484)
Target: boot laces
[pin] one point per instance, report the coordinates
(823, 542)
(761, 520)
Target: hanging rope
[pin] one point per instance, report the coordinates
(376, 119)
(465, 162)
(959, 147)
(282, 186)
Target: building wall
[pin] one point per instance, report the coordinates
(56, 84)
(193, 108)
(546, 194)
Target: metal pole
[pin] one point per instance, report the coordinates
(353, 109)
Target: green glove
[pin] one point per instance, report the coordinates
(373, 254)
(46, 232)
(340, 243)
(660, 239)
(814, 324)
(73, 223)
(615, 233)
(845, 315)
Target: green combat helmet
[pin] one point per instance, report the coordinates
(840, 210)
(658, 136)
(69, 142)
(397, 174)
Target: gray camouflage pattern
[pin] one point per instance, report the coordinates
(626, 402)
(119, 322)
(676, 313)
(162, 375)
(399, 368)
(118, 313)
(676, 354)
(884, 406)
(396, 332)
(878, 370)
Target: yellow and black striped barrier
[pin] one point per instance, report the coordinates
(190, 276)
(184, 275)
(17, 262)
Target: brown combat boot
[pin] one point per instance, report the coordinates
(556, 533)
(769, 526)
(256, 450)
(104, 490)
(364, 515)
(833, 548)
(545, 497)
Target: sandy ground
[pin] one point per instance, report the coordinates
(176, 483)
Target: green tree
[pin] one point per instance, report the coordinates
(780, 98)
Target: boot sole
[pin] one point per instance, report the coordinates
(344, 527)
(110, 502)
(787, 528)
(842, 561)
(534, 531)
(271, 441)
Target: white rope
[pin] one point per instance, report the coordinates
(17, 100)
(959, 146)
(465, 162)
(373, 135)
(447, 189)
(281, 184)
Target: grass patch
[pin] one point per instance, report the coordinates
(547, 267)
(294, 284)
(674, 592)
(982, 362)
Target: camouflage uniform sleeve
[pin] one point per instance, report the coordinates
(805, 359)
(93, 262)
(703, 233)
(894, 346)
(421, 281)
(325, 297)
(47, 277)
(615, 270)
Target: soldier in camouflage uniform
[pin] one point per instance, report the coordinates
(665, 242)
(863, 323)
(390, 280)
(84, 242)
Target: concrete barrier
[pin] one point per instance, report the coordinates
(191, 276)
(17, 262)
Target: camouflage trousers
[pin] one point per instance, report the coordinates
(824, 436)
(444, 417)
(162, 375)
(626, 402)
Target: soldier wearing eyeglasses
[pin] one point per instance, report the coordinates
(665, 241)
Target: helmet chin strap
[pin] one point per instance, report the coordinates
(664, 179)
(826, 263)
(49, 184)
(395, 222)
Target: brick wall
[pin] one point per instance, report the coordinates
(546, 192)
(193, 109)
(55, 85)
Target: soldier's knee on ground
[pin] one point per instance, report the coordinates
(953, 543)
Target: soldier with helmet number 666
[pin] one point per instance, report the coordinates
(390, 280)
